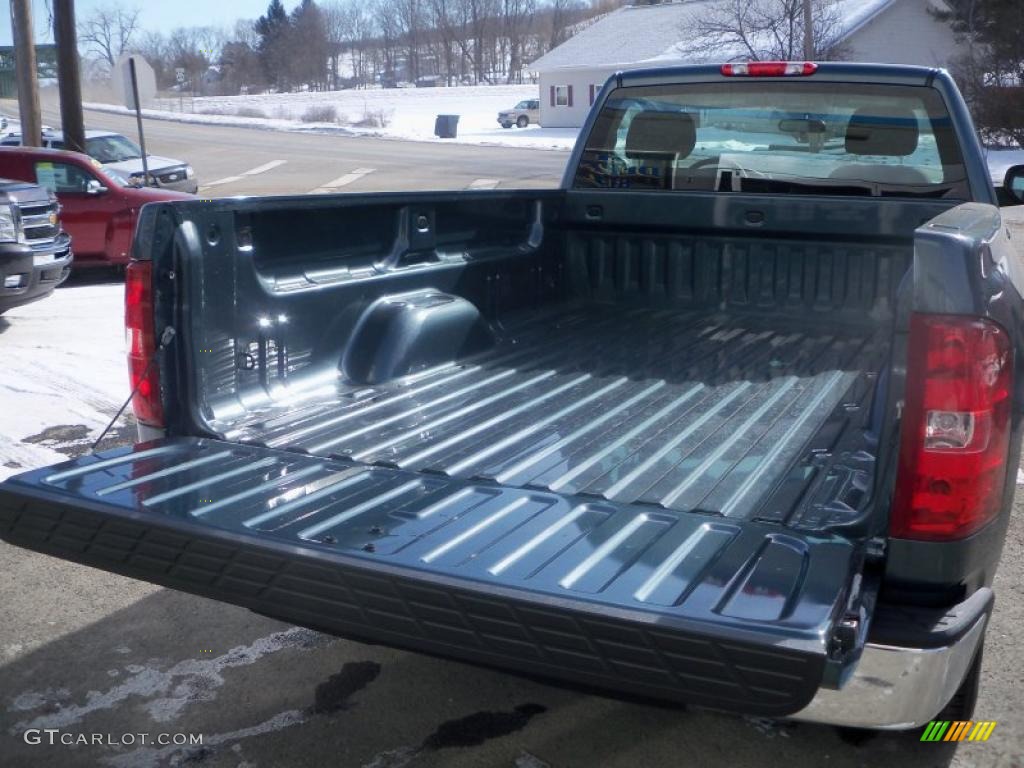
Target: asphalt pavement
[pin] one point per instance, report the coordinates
(87, 652)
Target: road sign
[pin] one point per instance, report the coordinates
(135, 82)
(121, 79)
(179, 74)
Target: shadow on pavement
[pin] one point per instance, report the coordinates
(259, 690)
(94, 276)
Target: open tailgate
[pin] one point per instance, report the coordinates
(634, 598)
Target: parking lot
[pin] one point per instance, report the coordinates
(89, 652)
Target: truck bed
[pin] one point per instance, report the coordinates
(486, 427)
(621, 434)
(683, 410)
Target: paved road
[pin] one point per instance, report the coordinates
(88, 652)
(314, 161)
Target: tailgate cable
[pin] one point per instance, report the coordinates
(165, 338)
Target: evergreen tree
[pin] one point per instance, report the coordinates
(274, 30)
(991, 73)
(309, 50)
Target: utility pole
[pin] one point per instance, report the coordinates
(808, 32)
(28, 84)
(68, 79)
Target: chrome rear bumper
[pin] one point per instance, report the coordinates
(897, 688)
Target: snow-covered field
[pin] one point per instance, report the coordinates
(65, 375)
(409, 113)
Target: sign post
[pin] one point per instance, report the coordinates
(135, 81)
(179, 76)
(138, 119)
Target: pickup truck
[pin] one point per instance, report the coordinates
(98, 209)
(732, 418)
(35, 251)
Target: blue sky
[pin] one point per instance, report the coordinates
(156, 14)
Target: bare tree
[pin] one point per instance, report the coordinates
(335, 16)
(193, 49)
(411, 16)
(107, 31)
(476, 20)
(559, 13)
(390, 30)
(758, 30)
(445, 19)
(360, 33)
(517, 16)
(153, 48)
(243, 32)
(239, 61)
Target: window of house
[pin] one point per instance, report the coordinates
(563, 95)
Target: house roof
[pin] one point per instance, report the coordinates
(640, 34)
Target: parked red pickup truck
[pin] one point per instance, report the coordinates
(97, 210)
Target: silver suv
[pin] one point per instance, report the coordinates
(522, 114)
(122, 158)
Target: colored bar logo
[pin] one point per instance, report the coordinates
(958, 730)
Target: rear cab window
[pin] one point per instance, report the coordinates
(820, 138)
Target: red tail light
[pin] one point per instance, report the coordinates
(141, 342)
(956, 428)
(770, 69)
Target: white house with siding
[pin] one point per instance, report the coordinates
(570, 76)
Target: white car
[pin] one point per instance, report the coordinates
(521, 115)
(122, 158)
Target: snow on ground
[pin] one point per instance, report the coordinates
(65, 374)
(409, 113)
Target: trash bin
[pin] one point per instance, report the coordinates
(446, 126)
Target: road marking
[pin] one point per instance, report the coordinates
(218, 182)
(484, 184)
(342, 181)
(251, 172)
(265, 167)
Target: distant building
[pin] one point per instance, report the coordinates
(571, 75)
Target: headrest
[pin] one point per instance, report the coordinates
(890, 131)
(662, 133)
